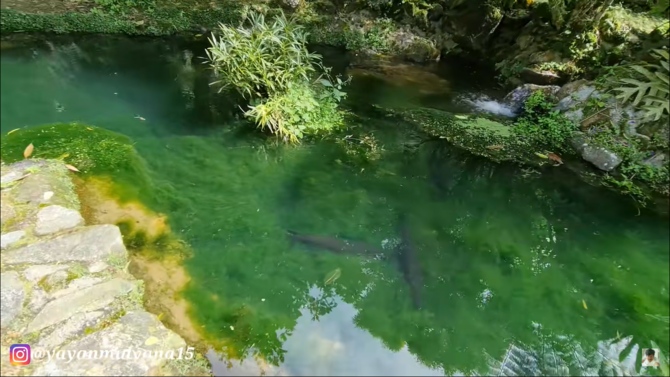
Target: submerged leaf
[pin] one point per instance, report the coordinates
(28, 151)
(584, 304)
(541, 155)
(151, 341)
(72, 168)
(332, 276)
(14, 130)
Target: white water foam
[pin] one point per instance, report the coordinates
(482, 103)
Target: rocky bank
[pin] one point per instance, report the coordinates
(66, 286)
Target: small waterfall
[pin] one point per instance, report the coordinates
(482, 103)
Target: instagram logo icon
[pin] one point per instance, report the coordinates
(19, 354)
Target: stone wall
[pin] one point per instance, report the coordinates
(65, 285)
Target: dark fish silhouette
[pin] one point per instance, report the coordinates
(336, 245)
(408, 262)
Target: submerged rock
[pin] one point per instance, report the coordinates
(399, 74)
(12, 295)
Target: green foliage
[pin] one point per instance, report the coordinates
(419, 8)
(649, 84)
(263, 58)
(124, 6)
(543, 127)
(627, 186)
(162, 20)
(375, 37)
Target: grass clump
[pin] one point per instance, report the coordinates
(268, 64)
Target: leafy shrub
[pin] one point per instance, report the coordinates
(542, 126)
(300, 109)
(269, 64)
(649, 84)
(263, 59)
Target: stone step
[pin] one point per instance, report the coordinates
(86, 300)
(137, 333)
(12, 295)
(89, 244)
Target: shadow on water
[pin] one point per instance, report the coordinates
(510, 260)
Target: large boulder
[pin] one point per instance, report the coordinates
(599, 156)
(538, 77)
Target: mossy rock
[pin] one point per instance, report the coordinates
(91, 150)
(478, 135)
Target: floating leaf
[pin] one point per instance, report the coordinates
(14, 130)
(541, 155)
(554, 157)
(72, 168)
(584, 304)
(151, 341)
(28, 151)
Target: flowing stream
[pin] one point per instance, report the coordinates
(505, 261)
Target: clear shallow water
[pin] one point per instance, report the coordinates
(508, 260)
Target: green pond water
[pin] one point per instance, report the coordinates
(520, 273)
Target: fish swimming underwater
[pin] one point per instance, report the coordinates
(408, 262)
(336, 245)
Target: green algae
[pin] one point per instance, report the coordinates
(92, 150)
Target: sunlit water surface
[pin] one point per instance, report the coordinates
(512, 263)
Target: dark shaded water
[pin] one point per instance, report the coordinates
(532, 271)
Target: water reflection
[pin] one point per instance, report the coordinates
(331, 346)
